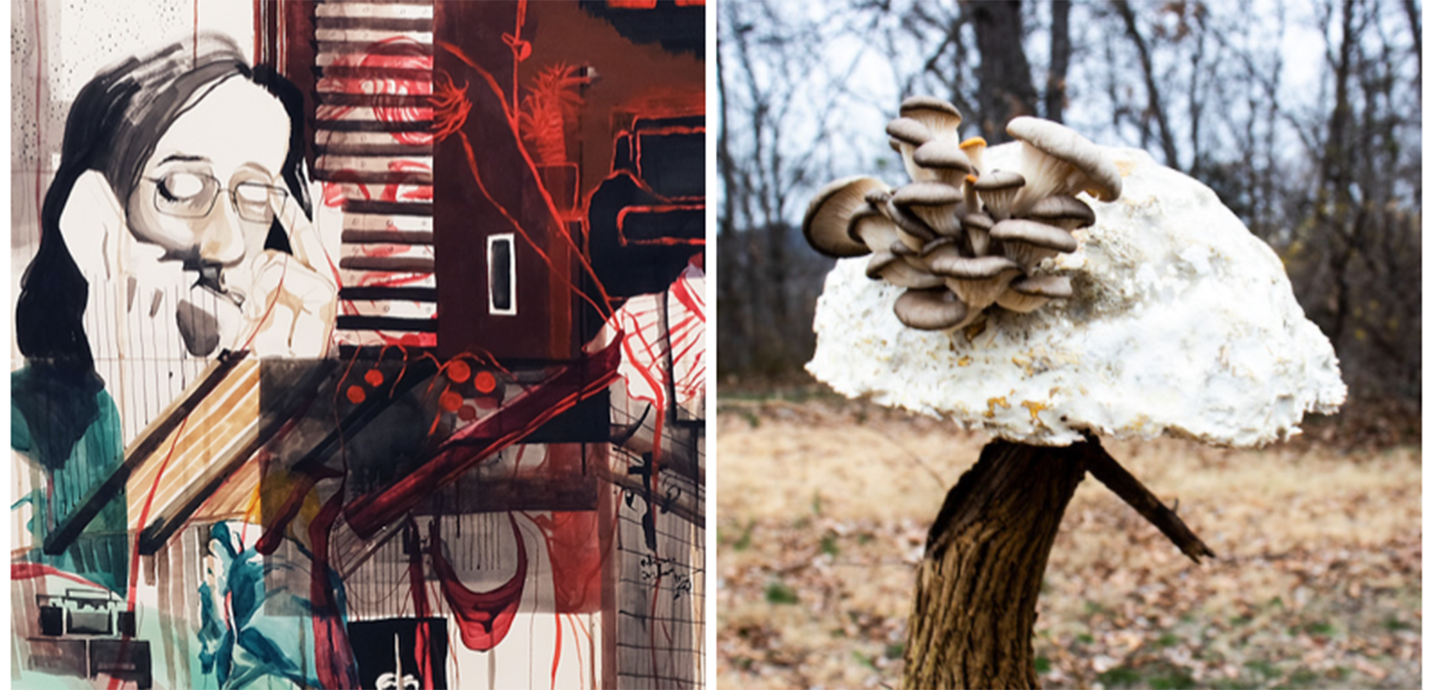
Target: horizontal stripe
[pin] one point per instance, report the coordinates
(415, 177)
(386, 263)
(371, 9)
(375, 100)
(375, 23)
(399, 73)
(409, 294)
(353, 48)
(386, 237)
(357, 124)
(385, 323)
(392, 208)
(391, 148)
(366, 221)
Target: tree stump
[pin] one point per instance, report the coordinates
(977, 587)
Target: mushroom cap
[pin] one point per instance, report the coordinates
(1054, 287)
(930, 310)
(977, 221)
(827, 220)
(1034, 233)
(999, 180)
(874, 225)
(975, 268)
(878, 197)
(941, 118)
(935, 154)
(878, 262)
(973, 144)
(927, 194)
(908, 222)
(892, 269)
(1068, 145)
(1062, 207)
(940, 248)
(909, 131)
(916, 105)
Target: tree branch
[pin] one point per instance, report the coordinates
(1119, 480)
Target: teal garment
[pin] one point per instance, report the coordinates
(69, 426)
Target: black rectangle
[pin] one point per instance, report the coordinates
(587, 422)
(500, 279)
(673, 164)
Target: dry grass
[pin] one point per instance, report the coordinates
(823, 510)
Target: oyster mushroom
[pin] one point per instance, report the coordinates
(911, 256)
(977, 281)
(1029, 242)
(939, 250)
(940, 162)
(1057, 160)
(1028, 294)
(942, 119)
(932, 202)
(998, 190)
(977, 231)
(873, 229)
(910, 134)
(974, 149)
(913, 231)
(892, 269)
(1065, 212)
(931, 310)
(827, 220)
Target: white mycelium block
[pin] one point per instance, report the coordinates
(1181, 322)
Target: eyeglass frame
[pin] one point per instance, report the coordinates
(271, 211)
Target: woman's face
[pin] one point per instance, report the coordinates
(209, 191)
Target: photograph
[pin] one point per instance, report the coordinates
(1068, 344)
(359, 344)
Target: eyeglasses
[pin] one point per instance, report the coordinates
(192, 195)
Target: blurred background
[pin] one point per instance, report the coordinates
(1304, 116)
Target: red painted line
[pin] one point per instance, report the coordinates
(27, 571)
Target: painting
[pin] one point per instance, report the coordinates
(358, 344)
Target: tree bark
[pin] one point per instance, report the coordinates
(1006, 90)
(974, 613)
(1055, 86)
(977, 587)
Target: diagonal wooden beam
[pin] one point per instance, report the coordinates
(144, 445)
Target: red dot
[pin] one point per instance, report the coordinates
(458, 371)
(467, 413)
(356, 394)
(484, 382)
(374, 377)
(451, 401)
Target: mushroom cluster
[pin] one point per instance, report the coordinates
(958, 237)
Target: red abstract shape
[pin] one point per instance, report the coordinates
(468, 413)
(356, 394)
(483, 617)
(457, 370)
(451, 401)
(514, 420)
(374, 377)
(451, 107)
(574, 547)
(26, 571)
(485, 382)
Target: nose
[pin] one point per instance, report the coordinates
(222, 239)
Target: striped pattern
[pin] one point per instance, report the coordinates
(222, 429)
(373, 153)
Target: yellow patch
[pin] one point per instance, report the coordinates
(1034, 408)
(992, 403)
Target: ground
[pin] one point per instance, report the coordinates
(824, 506)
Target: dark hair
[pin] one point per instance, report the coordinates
(113, 127)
